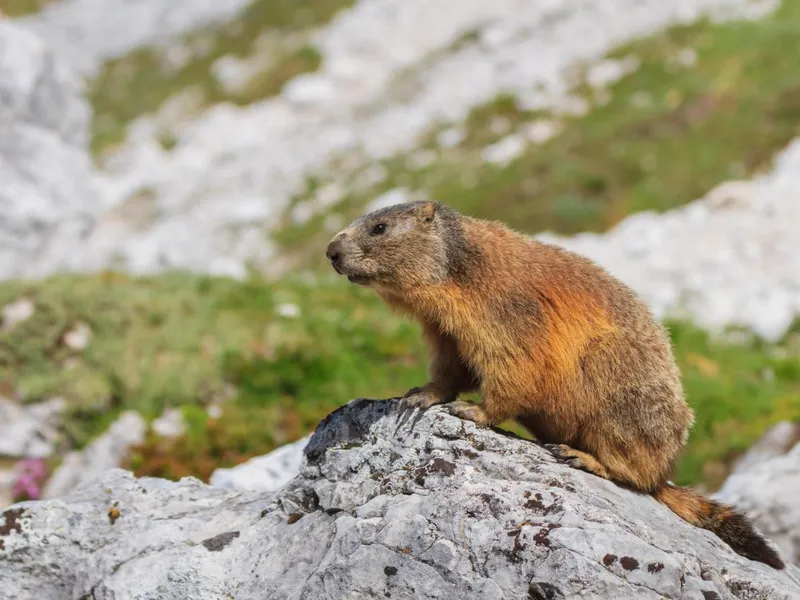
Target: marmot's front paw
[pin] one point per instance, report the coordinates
(470, 412)
(424, 397)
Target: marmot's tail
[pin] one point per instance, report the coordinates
(732, 527)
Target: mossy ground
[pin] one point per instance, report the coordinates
(20, 8)
(279, 356)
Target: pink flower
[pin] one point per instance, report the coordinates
(31, 475)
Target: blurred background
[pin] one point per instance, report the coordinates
(171, 170)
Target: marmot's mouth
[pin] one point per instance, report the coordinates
(358, 279)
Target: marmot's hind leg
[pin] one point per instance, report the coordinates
(634, 467)
(578, 460)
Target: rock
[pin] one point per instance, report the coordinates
(264, 473)
(394, 196)
(541, 130)
(170, 424)
(777, 441)
(79, 336)
(388, 504)
(506, 150)
(48, 190)
(766, 484)
(609, 71)
(29, 430)
(89, 32)
(309, 90)
(288, 310)
(106, 452)
(17, 312)
(450, 137)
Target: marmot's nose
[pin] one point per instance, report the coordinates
(334, 251)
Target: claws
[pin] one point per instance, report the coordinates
(422, 397)
(567, 455)
(469, 412)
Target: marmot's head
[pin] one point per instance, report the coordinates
(398, 247)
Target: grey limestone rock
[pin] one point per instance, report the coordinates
(387, 504)
(49, 193)
(766, 484)
(263, 473)
(105, 453)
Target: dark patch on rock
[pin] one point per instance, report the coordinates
(542, 538)
(459, 452)
(333, 511)
(305, 499)
(628, 563)
(12, 523)
(218, 542)
(711, 595)
(436, 465)
(337, 430)
(541, 590)
(494, 504)
(537, 503)
(655, 567)
(609, 559)
(390, 571)
(294, 518)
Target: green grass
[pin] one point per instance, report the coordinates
(190, 341)
(140, 82)
(20, 8)
(666, 136)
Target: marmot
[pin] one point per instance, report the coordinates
(549, 338)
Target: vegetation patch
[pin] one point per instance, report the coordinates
(266, 46)
(273, 358)
(20, 8)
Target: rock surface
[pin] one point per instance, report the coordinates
(29, 430)
(387, 504)
(89, 32)
(766, 484)
(106, 452)
(263, 473)
(48, 191)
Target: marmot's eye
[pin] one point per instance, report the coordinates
(379, 229)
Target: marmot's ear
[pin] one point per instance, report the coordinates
(426, 211)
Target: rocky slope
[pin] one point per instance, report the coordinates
(209, 203)
(387, 504)
(48, 193)
(766, 484)
(233, 170)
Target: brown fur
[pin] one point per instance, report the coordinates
(548, 337)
